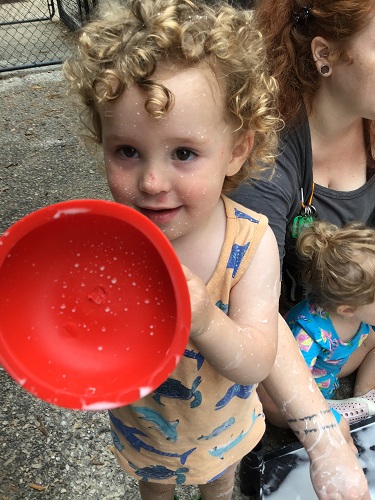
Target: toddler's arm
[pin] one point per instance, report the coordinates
(241, 346)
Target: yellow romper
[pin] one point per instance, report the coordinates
(197, 423)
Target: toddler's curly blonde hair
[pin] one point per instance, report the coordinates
(126, 42)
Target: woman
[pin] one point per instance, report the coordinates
(323, 57)
(324, 61)
(322, 54)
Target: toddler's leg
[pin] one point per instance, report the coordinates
(365, 380)
(154, 491)
(221, 488)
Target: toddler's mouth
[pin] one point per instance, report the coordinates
(159, 215)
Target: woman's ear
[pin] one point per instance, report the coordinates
(321, 50)
(345, 310)
(240, 152)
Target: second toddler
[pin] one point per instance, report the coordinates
(332, 323)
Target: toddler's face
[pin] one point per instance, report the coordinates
(171, 169)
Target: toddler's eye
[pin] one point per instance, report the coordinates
(183, 154)
(129, 152)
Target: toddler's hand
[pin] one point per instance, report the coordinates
(201, 304)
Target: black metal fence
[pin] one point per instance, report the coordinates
(39, 32)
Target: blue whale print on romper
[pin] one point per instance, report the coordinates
(173, 388)
(242, 215)
(235, 258)
(238, 251)
(195, 355)
(220, 429)
(241, 391)
(222, 306)
(130, 434)
(116, 441)
(168, 429)
(219, 451)
(160, 472)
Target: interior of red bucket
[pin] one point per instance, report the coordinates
(94, 306)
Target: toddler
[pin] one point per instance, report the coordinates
(334, 320)
(178, 96)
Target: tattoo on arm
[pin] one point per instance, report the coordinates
(309, 418)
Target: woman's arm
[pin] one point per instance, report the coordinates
(334, 468)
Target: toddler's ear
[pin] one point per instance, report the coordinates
(240, 152)
(345, 310)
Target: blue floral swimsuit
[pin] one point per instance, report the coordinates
(323, 350)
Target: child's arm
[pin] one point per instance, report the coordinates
(334, 468)
(241, 346)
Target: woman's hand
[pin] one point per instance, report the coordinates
(337, 475)
(345, 431)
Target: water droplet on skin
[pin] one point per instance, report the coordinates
(147, 301)
(100, 348)
(76, 265)
(63, 306)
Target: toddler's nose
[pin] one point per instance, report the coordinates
(154, 181)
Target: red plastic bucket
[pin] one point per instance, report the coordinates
(94, 305)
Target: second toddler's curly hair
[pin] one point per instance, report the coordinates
(338, 264)
(125, 43)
